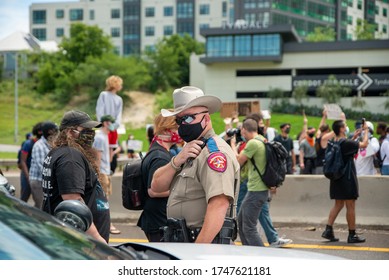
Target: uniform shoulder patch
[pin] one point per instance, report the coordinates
(217, 161)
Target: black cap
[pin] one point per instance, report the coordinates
(78, 118)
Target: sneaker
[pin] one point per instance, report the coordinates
(281, 242)
(355, 239)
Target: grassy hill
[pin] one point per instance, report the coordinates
(34, 108)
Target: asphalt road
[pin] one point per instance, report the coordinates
(305, 237)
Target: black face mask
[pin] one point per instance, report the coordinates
(86, 137)
(190, 132)
(311, 135)
(287, 130)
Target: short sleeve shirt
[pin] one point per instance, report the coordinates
(101, 144)
(255, 149)
(67, 171)
(197, 182)
(309, 151)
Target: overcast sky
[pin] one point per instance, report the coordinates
(14, 15)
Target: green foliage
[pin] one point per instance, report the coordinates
(332, 91)
(274, 94)
(300, 93)
(169, 62)
(364, 30)
(85, 41)
(322, 34)
(386, 103)
(163, 100)
(358, 102)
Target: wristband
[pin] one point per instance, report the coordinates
(175, 167)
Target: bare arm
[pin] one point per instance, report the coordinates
(365, 140)
(23, 163)
(155, 194)
(324, 139)
(322, 122)
(214, 218)
(304, 130)
(92, 231)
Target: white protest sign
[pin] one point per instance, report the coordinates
(334, 112)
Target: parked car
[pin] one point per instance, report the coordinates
(27, 233)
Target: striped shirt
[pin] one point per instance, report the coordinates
(39, 152)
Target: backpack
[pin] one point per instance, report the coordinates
(134, 190)
(334, 166)
(275, 169)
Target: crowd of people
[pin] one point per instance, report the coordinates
(200, 187)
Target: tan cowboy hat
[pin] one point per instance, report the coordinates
(188, 97)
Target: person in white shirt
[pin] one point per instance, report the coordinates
(364, 160)
(385, 154)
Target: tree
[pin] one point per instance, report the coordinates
(300, 93)
(332, 91)
(321, 34)
(358, 102)
(169, 62)
(85, 41)
(364, 30)
(274, 94)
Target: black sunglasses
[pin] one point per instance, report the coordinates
(188, 118)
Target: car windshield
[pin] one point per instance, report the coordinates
(28, 233)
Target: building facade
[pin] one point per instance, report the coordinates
(135, 25)
(245, 64)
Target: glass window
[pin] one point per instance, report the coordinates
(350, 20)
(359, 6)
(131, 13)
(204, 9)
(203, 26)
(384, 28)
(59, 32)
(131, 32)
(242, 44)
(168, 11)
(266, 45)
(39, 17)
(168, 30)
(219, 46)
(224, 9)
(385, 12)
(76, 14)
(115, 32)
(149, 31)
(59, 13)
(185, 10)
(350, 3)
(91, 14)
(39, 33)
(185, 27)
(115, 13)
(150, 12)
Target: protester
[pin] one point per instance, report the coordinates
(287, 142)
(308, 152)
(258, 192)
(202, 181)
(153, 216)
(381, 131)
(70, 172)
(384, 152)
(25, 162)
(101, 145)
(345, 190)
(110, 103)
(39, 151)
(364, 159)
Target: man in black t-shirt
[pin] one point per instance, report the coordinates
(70, 172)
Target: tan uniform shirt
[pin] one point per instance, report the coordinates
(195, 184)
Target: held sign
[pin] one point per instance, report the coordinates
(356, 81)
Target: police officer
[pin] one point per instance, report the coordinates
(204, 176)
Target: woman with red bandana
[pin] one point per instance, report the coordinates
(154, 212)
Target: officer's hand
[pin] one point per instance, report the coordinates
(190, 150)
(273, 190)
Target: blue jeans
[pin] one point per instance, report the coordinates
(248, 217)
(25, 190)
(264, 217)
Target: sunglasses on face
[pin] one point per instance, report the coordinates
(188, 118)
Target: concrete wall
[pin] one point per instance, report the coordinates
(302, 199)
